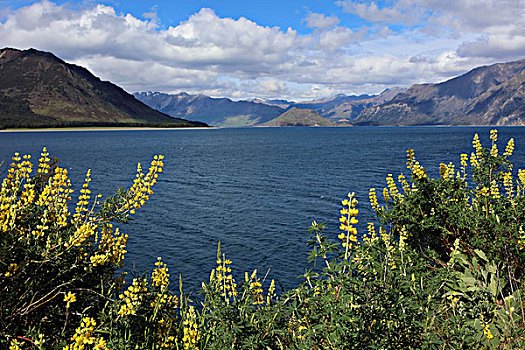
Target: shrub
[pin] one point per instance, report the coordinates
(59, 268)
(441, 268)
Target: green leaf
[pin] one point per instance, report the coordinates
(481, 254)
(493, 287)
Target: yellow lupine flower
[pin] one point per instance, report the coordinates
(221, 275)
(373, 199)
(386, 196)
(191, 334)
(494, 190)
(477, 146)
(70, 298)
(410, 158)
(509, 149)
(473, 160)
(15, 345)
(494, 135)
(349, 232)
(84, 335)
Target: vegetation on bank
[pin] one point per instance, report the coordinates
(442, 267)
(70, 125)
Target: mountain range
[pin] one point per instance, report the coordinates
(37, 89)
(489, 95)
(226, 113)
(213, 111)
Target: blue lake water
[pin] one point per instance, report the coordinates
(254, 189)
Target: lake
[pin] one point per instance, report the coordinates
(254, 189)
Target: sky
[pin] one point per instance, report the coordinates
(292, 49)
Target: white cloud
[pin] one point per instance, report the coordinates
(475, 15)
(240, 58)
(147, 75)
(498, 25)
(320, 21)
(498, 46)
(273, 86)
(339, 37)
(402, 12)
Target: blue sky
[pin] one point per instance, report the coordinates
(283, 13)
(290, 49)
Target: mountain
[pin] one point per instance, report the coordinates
(225, 112)
(489, 95)
(37, 89)
(344, 109)
(340, 108)
(299, 117)
(213, 111)
(331, 107)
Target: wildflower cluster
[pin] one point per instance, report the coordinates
(57, 264)
(160, 280)
(442, 268)
(191, 333)
(85, 335)
(413, 165)
(469, 219)
(132, 297)
(373, 199)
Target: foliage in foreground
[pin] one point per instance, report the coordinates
(441, 268)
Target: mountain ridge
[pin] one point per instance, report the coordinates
(214, 111)
(226, 112)
(38, 89)
(487, 95)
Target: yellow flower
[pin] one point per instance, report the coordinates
(15, 345)
(373, 199)
(84, 335)
(494, 135)
(410, 158)
(509, 149)
(70, 298)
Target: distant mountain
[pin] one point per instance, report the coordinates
(299, 117)
(213, 111)
(330, 107)
(490, 95)
(37, 89)
(345, 110)
(225, 112)
(338, 108)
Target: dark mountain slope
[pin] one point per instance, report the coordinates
(38, 89)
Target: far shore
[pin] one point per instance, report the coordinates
(102, 128)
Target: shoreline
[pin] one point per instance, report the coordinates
(102, 128)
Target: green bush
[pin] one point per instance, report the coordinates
(441, 268)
